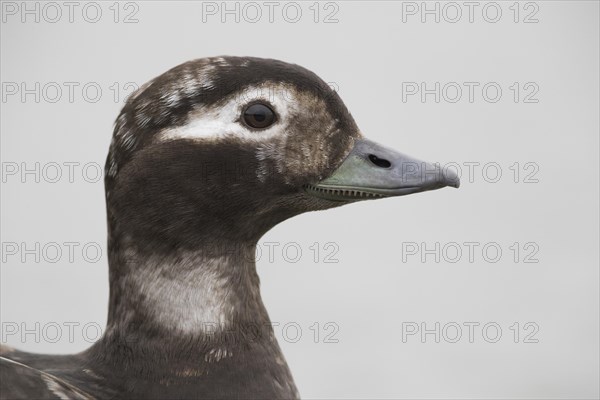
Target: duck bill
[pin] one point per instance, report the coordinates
(373, 171)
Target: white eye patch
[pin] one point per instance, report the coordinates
(223, 120)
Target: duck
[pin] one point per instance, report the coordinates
(204, 160)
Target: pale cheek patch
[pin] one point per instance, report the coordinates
(224, 120)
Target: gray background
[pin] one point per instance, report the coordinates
(371, 293)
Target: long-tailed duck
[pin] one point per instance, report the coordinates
(204, 160)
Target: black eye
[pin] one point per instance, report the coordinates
(259, 116)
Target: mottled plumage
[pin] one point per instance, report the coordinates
(190, 189)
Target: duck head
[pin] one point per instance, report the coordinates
(225, 148)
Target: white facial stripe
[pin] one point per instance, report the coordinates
(223, 120)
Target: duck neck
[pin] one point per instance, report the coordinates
(182, 300)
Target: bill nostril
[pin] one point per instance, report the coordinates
(380, 162)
